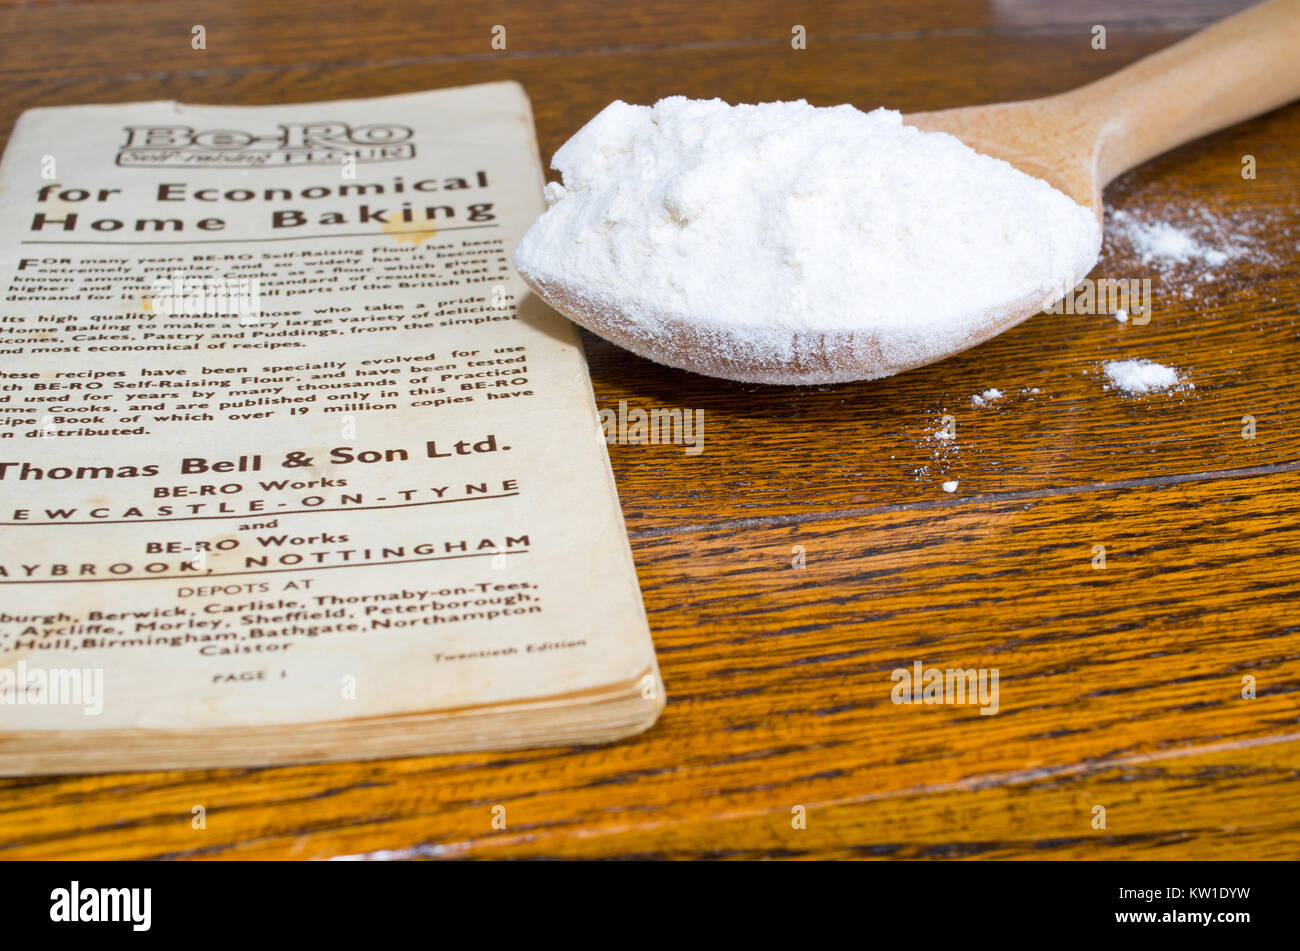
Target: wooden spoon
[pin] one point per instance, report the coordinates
(1076, 141)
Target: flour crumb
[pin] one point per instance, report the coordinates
(1142, 376)
(1121, 315)
(950, 486)
(991, 395)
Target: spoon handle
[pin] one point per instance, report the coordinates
(1237, 68)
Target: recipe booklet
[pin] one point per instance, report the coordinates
(293, 466)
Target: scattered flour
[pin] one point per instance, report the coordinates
(944, 448)
(1186, 247)
(1121, 315)
(950, 486)
(764, 226)
(1142, 376)
(1163, 243)
(994, 396)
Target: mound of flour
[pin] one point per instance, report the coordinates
(1142, 376)
(782, 218)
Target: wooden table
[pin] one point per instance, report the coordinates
(1120, 686)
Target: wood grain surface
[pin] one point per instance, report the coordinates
(1120, 687)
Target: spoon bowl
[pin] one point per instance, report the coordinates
(1077, 142)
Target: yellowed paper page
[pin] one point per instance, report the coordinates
(283, 437)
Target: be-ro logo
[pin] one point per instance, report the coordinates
(306, 143)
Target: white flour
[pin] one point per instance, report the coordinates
(991, 395)
(1184, 247)
(1142, 376)
(779, 219)
(1163, 242)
